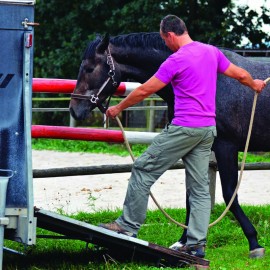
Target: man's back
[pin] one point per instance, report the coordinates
(192, 71)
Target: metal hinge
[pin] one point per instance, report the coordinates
(26, 23)
(4, 221)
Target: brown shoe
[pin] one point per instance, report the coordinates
(116, 228)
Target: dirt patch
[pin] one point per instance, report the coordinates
(104, 191)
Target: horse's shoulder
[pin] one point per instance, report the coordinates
(231, 54)
(238, 59)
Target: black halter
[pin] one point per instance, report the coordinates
(94, 98)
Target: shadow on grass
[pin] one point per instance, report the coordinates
(94, 258)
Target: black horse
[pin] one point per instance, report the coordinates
(109, 61)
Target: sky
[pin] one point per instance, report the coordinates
(255, 5)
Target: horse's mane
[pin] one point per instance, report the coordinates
(91, 48)
(135, 40)
(141, 40)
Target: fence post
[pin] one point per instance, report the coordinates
(151, 127)
(212, 173)
(72, 121)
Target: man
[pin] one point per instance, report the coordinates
(192, 71)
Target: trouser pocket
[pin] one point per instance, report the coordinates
(148, 160)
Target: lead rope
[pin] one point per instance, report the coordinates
(151, 194)
(244, 157)
(240, 176)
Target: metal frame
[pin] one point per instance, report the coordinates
(27, 104)
(18, 2)
(18, 215)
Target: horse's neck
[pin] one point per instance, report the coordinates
(138, 64)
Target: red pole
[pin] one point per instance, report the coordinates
(66, 86)
(41, 85)
(69, 133)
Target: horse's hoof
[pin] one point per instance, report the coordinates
(257, 253)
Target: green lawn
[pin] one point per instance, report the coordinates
(227, 247)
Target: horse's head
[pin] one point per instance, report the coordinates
(97, 80)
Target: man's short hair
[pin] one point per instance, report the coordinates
(172, 23)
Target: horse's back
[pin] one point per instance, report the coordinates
(234, 104)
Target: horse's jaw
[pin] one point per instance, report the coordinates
(80, 110)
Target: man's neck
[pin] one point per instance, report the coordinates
(184, 40)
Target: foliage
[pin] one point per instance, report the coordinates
(53, 117)
(227, 247)
(246, 24)
(67, 26)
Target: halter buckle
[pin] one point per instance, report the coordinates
(111, 73)
(94, 98)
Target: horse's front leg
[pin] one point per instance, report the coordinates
(227, 159)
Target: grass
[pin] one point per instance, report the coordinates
(227, 247)
(86, 147)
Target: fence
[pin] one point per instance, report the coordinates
(67, 86)
(91, 134)
(151, 120)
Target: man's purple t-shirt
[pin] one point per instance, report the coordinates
(192, 71)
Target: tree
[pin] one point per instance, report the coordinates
(245, 24)
(67, 26)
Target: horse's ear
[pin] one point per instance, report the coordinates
(103, 45)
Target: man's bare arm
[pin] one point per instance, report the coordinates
(244, 77)
(139, 94)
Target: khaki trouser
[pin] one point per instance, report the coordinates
(193, 145)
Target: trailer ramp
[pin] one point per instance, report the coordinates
(128, 247)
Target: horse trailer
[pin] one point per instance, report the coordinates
(17, 220)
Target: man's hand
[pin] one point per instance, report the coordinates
(139, 94)
(113, 111)
(259, 85)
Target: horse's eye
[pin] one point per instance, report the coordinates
(88, 70)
